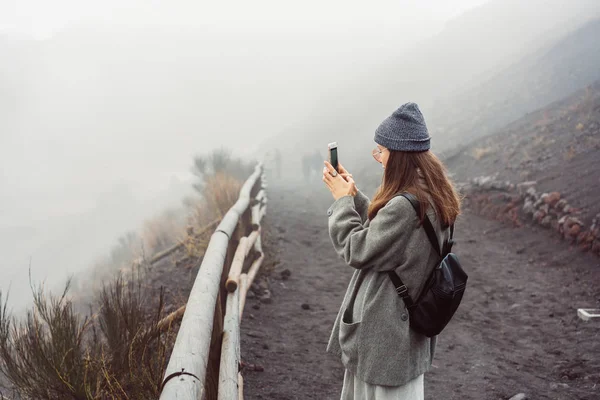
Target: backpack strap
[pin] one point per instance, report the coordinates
(401, 288)
(426, 222)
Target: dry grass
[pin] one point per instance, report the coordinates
(118, 349)
(480, 152)
(162, 231)
(116, 352)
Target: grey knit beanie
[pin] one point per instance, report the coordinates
(404, 130)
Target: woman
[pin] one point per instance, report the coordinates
(383, 357)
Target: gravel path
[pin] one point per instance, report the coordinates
(516, 331)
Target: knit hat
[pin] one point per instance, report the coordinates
(404, 130)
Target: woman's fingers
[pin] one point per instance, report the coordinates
(342, 169)
(330, 168)
(327, 177)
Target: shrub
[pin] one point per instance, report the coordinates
(117, 352)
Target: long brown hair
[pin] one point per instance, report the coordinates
(423, 175)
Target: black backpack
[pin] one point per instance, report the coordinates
(444, 289)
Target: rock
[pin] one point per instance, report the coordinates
(596, 246)
(531, 193)
(574, 230)
(266, 297)
(523, 187)
(546, 221)
(552, 199)
(305, 306)
(539, 215)
(545, 208)
(562, 220)
(262, 285)
(567, 209)
(251, 294)
(520, 250)
(520, 396)
(555, 386)
(528, 207)
(285, 274)
(560, 205)
(256, 306)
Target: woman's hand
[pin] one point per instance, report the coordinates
(341, 184)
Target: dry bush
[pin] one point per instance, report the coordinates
(162, 231)
(117, 353)
(118, 349)
(221, 191)
(480, 152)
(218, 162)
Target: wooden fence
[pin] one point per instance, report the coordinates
(204, 364)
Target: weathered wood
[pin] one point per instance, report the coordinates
(255, 216)
(211, 381)
(263, 212)
(236, 265)
(243, 293)
(587, 314)
(252, 240)
(230, 350)
(192, 346)
(165, 323)
(240, 386)
(254, 269)
(159, 256)
(191, 350)
(246, 244)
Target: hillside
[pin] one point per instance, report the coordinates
(476, 49)
(543, 77)
(557, 146)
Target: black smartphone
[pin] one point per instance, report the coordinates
(333, 155)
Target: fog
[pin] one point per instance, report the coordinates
(103, 104)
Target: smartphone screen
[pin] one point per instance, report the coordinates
(333, 157)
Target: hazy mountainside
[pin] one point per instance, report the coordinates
(539, 79)
(486, 39)
(558, 146)
(474, 49)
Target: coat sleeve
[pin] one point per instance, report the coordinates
(375, 246)
(361, 203)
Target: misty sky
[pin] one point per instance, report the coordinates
(412, 17)
(114, 97)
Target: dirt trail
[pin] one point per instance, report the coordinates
(516, 331)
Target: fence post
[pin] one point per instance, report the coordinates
(188, 371)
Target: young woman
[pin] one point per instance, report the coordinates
(383, 357)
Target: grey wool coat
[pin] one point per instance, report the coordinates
(371, 333)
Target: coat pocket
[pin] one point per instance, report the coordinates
(349, 337)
